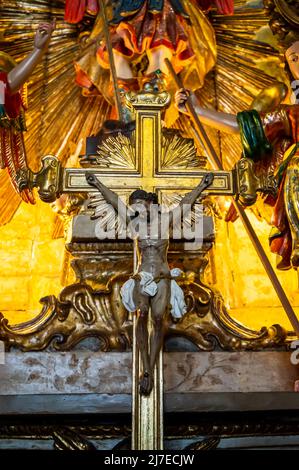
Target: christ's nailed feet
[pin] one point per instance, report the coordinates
(146, 383)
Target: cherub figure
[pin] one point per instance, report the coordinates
(152, 288)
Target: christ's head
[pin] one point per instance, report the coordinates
(141, 202)
(292, 58)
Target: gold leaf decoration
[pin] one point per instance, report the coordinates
(58, 113)
(117, 152)
(178, 153)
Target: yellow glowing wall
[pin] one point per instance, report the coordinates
(30, 261)
(242, 280)
(31, 267)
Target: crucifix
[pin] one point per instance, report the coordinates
(165, 163)
(152, 290)
(152, 175)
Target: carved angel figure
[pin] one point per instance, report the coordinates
(155, 30)
(13, 105)
(271, 140)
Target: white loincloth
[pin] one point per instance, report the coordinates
(149, 287)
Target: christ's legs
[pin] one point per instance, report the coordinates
(142, 336)
(159, 306)
(157, 58)
(142, 304)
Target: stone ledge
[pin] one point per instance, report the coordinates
(121, 403)
(83, 372)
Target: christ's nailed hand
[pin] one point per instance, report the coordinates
(91, 179)
(207, 180)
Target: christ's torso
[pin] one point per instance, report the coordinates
(152, 254)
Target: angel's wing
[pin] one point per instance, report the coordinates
(13, 157)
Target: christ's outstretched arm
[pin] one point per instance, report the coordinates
(191, 197)
(110, 196)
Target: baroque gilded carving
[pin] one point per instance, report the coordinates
(249, 184)
(208, 443)
(149, 97)
(76, 435)
(67, 439)
(47, 180)
(161, 161)
(91, 307)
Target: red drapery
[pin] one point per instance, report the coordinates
(75, 9)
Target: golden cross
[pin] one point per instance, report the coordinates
(153, 159)
(164, 162)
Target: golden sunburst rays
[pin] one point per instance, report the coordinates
(179, 154)
(117, 152)
(105, 216)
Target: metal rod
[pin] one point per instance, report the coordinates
(111, 59)
(217, 164)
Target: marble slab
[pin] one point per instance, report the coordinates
(94, 382)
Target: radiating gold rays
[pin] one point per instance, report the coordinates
(117, 152)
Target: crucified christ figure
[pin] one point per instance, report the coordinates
(152, 287)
